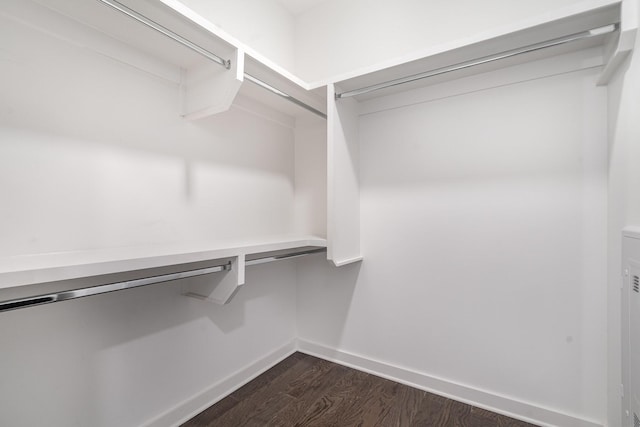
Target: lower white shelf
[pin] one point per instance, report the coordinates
(229, 260)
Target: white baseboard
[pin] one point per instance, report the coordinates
(480, 398)
(201, 401)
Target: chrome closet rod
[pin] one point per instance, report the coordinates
(286, 96)
(103, 289)
(284, 256)
(33, 301)
(486, 59)
(165, 31)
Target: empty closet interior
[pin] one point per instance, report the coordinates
(431, 192)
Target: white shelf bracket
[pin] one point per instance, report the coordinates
(219, 288)
(210, 89)
(622, 45)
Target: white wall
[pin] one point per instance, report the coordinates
(311, 177)
(264, 25)
(125, 358)
(340, 36)
(484, 242)
(93, 154)
(624, 203)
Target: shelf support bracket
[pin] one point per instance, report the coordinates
(623, 43)
(208, 90)
(220, 288)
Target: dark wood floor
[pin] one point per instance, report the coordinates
(306, 391)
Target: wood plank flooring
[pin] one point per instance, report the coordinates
(306, 391)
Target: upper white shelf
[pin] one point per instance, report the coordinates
(101, 28)
(49, 267)
(593, 15)
(86, 23)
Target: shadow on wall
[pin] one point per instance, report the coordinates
(481, 137)
(94, 99)
(325, 293)
(95, 154)
(226, 317)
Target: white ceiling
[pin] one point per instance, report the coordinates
(299, 6)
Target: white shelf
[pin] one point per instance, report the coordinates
(98, 27)
(49, 267)
(590, 15)
(94, 25)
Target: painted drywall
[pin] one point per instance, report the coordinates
(311, 177)
(297, 7)
(340, 36)
(93, 154)
(84, 163)
(265, 25)
(483, 222)
(125, 358)
(623, 209)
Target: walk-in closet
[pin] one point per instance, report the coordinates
(319, 212)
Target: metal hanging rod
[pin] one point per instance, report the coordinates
(103, 289)
(272, 258)
(486, 59)
(281, 94)
(165, 31)
(33, 301)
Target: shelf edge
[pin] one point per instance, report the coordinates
(68, 271)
